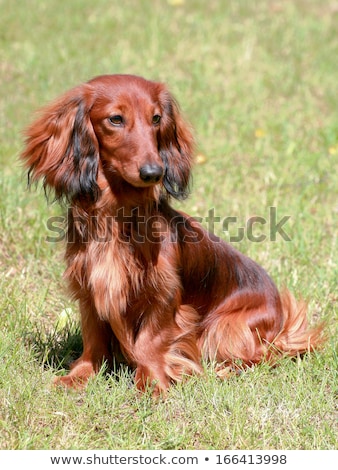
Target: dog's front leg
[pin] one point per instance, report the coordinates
(166, 349)
(97, 337)
(149, 356)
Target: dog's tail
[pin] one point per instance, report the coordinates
(296, 337)
(244, 331)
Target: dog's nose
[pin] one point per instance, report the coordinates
(151, 173)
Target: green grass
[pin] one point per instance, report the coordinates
(258, 82)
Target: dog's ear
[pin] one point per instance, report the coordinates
(176, 148)
(62, 149)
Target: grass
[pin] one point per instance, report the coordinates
(257, 80)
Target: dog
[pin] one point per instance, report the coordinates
(150, 281)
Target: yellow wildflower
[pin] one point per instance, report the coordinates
(259, 133)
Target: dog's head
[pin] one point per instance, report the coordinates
(120, 127)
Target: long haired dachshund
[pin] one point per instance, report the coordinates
(150, 281)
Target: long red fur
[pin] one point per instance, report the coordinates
(150, 281)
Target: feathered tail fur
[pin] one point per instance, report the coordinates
(297, 337)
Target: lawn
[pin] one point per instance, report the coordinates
(258, 82)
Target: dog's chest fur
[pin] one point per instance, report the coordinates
(125, 279)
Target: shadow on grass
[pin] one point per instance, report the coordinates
(56, 349)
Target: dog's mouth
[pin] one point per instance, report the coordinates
(146, 176)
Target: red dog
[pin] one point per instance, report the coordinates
(150, 280)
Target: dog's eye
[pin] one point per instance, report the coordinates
(156, 119)
(116, 120)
